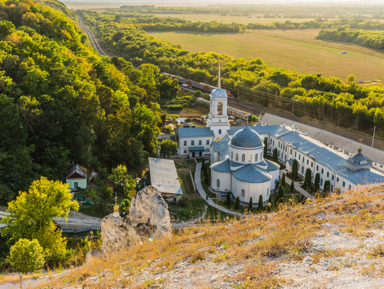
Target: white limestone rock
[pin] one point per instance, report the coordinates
(148, 217)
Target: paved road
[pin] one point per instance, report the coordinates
(256, 109)
(297, 185)
(202, 193)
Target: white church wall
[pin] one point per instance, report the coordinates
(221, 181)
(236, 155)
(253, 190)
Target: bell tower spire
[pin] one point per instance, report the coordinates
(219, 78)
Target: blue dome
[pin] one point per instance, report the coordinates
(246, 138)
(219, 92)
(358, 158)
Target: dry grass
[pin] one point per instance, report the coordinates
(256, 241)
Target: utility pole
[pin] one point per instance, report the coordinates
(373, 137)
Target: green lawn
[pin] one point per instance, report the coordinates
(297, 50)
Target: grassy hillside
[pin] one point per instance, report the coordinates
(342, 235)
(297, 50)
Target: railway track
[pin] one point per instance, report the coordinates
(252, 108)
(95, 44)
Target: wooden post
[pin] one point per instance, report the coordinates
(21, 280)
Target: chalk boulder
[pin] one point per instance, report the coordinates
(148, 217)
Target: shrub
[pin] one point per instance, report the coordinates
(26, 256)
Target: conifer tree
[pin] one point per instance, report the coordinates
(237, 203)
(260, 205)
(281, 194)
(250, 205)
(317, 183)
(228, 201)
(307, 180)
(274, 156)
(295, 169)
(283, 180)
(292, 188)
(265, 147)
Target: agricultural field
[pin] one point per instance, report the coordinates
(255, 18)
(297, 50)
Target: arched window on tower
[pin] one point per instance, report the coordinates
(219, 131)
(243, 158)
(243, 193)
(231, 155)
(237, 157)
(256, 157)
(218, 183)
(220, 108)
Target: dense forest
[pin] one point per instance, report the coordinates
(60, 103)
(269, 11)
(155, 23)
(327, 99)
(365, 38)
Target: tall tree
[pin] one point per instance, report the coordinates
(260, 204)
(168, 148)
(250, 205)
(308, 179)
(274, 156)
(31, 215)
(316, 186)
(295, 169)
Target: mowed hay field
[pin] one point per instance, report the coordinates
(297, 50)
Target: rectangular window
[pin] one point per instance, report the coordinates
(185, 143)
(192, 142)
(200, 142)
(343, 184)
(311, 164)
(291, 151)
(185, 151)
(295, 154)
(307, 162)
(327, 174)
(207, 142)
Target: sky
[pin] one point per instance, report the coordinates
(220, 1)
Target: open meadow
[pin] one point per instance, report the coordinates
(297, 50)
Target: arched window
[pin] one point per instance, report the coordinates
(256, 157)
(219, 131)
(243, 193)
(220, 108)
(231, 155)
(218, 183)
(237, 156)
(243, 158)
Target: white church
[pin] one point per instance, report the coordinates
(238, 164)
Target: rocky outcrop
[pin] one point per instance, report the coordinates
(148, 217)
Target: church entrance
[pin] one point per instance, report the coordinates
(193, 154)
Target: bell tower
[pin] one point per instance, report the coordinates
(218, 117)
